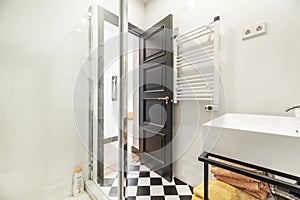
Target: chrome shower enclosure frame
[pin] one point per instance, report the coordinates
(123, 27)
(96, 114)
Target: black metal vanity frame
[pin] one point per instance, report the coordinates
(205, 157)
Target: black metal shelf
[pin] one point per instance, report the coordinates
(205, 157)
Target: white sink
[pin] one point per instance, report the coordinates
(285, 126)
(270, 141)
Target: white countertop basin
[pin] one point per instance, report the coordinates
(285, 126)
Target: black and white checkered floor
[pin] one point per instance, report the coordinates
(143, 184)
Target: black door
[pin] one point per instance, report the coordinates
(156, 94)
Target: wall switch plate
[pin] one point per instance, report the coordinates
(254, 31)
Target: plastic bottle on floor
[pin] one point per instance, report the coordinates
(78, 185)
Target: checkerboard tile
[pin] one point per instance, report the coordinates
(157, 190)
(144, 184)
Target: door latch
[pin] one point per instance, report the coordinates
(166, 99)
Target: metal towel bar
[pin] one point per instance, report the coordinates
(196, 48)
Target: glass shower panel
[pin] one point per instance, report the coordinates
(108, 96)
(108, 141)
(133, 98)
(111, 99)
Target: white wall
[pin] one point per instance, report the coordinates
(136, 11)
(260, 75)
(133, 90)
(39, 68)
(41, 55)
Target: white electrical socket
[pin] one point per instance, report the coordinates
(255, 30)
(260, 28)
(247, 33)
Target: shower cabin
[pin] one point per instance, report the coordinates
(109, 140)
(130, 99)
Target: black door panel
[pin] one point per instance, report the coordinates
(154, 78)
(156, 93)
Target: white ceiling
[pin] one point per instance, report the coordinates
(144, 1)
